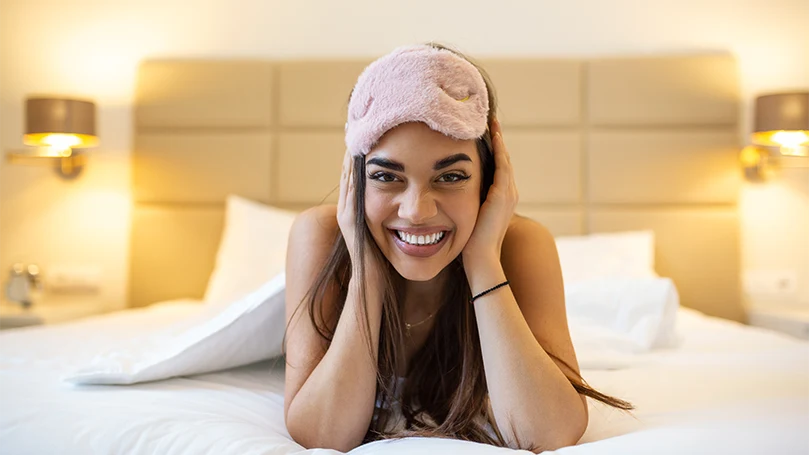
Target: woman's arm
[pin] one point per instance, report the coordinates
(531, 396)
(329, 393)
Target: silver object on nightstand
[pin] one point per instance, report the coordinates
(20, 283)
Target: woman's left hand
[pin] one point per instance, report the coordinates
(498, 208)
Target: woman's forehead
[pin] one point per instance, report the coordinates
(416, 141)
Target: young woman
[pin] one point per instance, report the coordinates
(422, 304)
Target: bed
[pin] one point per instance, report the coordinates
(600, 146)
(728, 388)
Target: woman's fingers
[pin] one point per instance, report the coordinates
(502, 173)
(344, 182)
(503, 151)
(350, 192)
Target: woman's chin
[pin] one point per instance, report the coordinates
(417, 273)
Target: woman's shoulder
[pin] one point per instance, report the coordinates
(322, 212)
(311, 239)
(321, 218)
(523, 231)
(522, 225)
(314, 227)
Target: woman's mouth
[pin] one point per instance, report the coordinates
(421, 245)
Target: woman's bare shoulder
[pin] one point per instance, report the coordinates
(325, 214)
(311, 238)
(316, 223)
(519, 222)
(520, 227)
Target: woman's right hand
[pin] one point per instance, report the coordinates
(346, 212)
(346, 217)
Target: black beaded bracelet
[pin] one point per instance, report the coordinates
(472, 300)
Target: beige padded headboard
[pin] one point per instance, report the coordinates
(598, 145)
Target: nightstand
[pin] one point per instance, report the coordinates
(790, 320)
(13, 315)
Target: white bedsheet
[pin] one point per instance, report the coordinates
(727, 388)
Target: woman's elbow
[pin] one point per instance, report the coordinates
(567, 436)
(308, 442)
(318, 437)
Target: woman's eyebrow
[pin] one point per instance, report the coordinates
(440, 164)
(450, 160)
(384, 162)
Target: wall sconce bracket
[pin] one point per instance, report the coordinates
(68, 167)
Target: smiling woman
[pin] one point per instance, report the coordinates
(378, 288)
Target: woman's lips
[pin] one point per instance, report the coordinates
(421, 251)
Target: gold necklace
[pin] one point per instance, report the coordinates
(408, 326)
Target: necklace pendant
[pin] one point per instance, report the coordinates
(408, 326)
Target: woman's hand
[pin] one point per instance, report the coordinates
(346, 218)
(346, 211)
(497, 210)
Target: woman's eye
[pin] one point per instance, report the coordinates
(382, 177)
(453, 177)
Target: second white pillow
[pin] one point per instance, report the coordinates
(628, 254)
(252, 250)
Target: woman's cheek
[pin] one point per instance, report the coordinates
(466, 217)
(376, 206)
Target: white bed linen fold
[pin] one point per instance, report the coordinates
(213, 338)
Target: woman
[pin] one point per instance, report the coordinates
(421, 304)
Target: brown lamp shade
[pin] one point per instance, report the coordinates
(782, 120)
(60, 122)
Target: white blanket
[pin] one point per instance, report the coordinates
(608, 319)
(727, 389)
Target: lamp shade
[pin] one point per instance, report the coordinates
(782, 120)
(60, 123)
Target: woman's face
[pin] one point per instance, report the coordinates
(425, 187)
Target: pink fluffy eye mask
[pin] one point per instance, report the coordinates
(416, 84)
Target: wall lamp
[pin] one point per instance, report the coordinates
(56, 129)
(781, 130)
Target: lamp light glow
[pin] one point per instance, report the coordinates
(782, 120)
(55, 128)
(60, 140)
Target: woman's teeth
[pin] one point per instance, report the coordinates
(420, 239)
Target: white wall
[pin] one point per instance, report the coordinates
(92, 47)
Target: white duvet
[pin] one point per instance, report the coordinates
(726, 388)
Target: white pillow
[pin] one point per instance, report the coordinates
(252, 250)
(247, 331)
(622, 254)
(640, 313)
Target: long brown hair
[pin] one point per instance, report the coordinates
(445, 394)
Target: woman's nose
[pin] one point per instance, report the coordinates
(417, 206)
